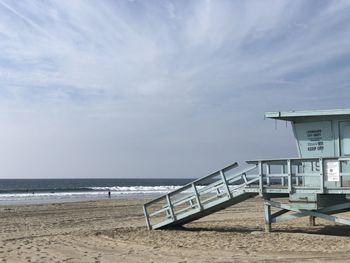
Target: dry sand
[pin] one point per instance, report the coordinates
(114, 231)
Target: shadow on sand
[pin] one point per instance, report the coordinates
(335, 230)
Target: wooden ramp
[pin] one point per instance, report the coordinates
(202, 197)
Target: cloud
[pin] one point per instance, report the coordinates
(161, 88)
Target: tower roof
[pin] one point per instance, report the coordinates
(293, 115)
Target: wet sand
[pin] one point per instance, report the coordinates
(114, 231)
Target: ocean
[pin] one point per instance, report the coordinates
(36, 191)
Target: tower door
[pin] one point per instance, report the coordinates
(344, 132)
(344, 137)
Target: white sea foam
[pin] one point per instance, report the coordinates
(95, 194)
(137, 189)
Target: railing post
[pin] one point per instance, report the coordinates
(283, 171)
(290, 182)
(261, 173)
(223, 177)
(170, 207)
(297, 176)
(197, 196)
(268, 175)
(341, 171)
(147, 217)
(321, 176)
(244, 176)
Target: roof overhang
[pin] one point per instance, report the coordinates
(292, 115)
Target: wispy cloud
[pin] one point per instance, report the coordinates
(91, 88)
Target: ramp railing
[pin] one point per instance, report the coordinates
(266, 177)
(198, 196)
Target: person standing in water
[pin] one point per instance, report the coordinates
(109, 193)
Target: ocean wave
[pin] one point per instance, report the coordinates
(138, 189)
(117, 189)
(90, 191)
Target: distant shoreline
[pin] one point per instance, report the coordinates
(42, 191)
(33, 200)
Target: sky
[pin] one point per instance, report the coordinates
(140, 89)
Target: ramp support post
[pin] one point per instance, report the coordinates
(267, 216)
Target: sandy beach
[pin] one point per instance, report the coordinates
(114, 231)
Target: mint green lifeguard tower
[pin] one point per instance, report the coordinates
(316, 183)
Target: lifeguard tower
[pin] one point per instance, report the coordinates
(316, 183)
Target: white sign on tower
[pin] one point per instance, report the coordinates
(332, 170)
